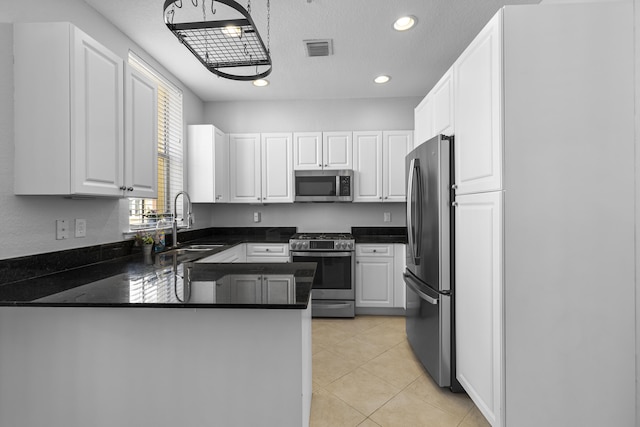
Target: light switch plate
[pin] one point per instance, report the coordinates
(256, 217)
(81, 227)
(387, 217)
(62, 229)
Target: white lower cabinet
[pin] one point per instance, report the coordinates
(267, 252)
(255, 289)
(379, 281)
(478, 305)
(235, 254)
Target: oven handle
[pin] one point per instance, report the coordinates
(335, 306)
(323, 254)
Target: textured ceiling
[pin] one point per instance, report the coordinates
(364, 42)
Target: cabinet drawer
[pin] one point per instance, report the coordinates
(267, 249)
(374, 250)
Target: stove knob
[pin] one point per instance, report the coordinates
(339, 245)
(293, 245)
(305, 245)
(350, 245)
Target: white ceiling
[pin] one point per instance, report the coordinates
(365, 45)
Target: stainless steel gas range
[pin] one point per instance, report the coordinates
(333, 292)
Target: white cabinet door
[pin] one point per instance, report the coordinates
(395, 147)
(307, 150)
(399, 287)
(98, 116)
(443, 102)
(479, 300)
(423, 120)
(245, 174)
(478, 106)
(141, 136)
(337, 150)
(277, 168)
(77, 100)
(207, 164)
(278, 289)
(374, 282)
(267, 252)
(367, 166)
(375, 275)
(246, 288)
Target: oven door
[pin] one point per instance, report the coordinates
(334, 279)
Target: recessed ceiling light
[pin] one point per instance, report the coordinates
(404, 23)
(382, 79)
(261, 82)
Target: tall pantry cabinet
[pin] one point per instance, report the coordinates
(543, 102)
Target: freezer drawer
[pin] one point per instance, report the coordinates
(428, 325)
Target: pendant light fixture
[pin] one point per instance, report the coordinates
(227, 39)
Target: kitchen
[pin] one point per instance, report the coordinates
(28, 228)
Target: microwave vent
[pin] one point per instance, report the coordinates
(319, 47)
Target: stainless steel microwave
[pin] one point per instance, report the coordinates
(324, 186)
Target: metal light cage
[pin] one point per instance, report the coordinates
(224, 43)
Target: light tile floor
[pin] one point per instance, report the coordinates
(365, 374)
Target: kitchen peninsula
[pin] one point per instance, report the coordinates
(162, 344)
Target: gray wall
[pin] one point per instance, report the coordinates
(28, 222)
(300, 116)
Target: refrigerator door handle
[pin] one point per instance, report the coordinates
(413, 171)
(414, 287)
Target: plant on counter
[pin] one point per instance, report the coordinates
(143, 238)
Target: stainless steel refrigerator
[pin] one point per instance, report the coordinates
(429, 271)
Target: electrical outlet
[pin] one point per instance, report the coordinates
(387, 217)
(256, 217)
(62, 229)
(81, 228)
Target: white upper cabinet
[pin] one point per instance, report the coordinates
(77, 102)
(434, 115)
(367, 167)
(245, 177)
(337, 150)
(478, 112)
(322, 150)
(423, 120)
(277, 168)
(207, 164)
(379, 165)
(396, 144)
(141, 136)
(307, 150)
(261, 168)
(443, 102)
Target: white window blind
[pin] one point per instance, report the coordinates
(144, 213)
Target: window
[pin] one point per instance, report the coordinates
(145, 213)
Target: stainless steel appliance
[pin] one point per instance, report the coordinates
(429, 272)
(333, 292)
(323, 186)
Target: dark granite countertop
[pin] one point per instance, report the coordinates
(133, 281)
(379, 234)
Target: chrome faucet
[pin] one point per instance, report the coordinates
(174, 231)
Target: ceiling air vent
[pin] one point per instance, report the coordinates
(319, 47)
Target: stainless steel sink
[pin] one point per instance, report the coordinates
(201, 247)
(184, 253)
